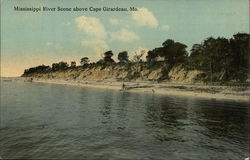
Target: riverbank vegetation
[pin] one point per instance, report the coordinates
(214, 60)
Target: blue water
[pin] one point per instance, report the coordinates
(55, 121)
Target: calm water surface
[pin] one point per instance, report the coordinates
(55, 121)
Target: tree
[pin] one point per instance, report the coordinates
(240, 47)
(196, 59)
(37, 69)
(224, 59)
(173, 52)
(108, 57)
(55, 66)
(73, 64)
(215, 53)
(60, 65)
(63, 65)
(84, 61)
(137, 58)
(123, 57)
(151, 57)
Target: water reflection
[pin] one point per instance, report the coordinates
(123, 100)
(166, 116)
(192, 121)
(228, 121)
(106, 107)
(55, 121)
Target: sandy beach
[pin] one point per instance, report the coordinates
(164, 88)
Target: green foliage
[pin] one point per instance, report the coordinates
(108, 57)
(224, 59)
(151, 57)
(59, 66)
(73, 64)
(84, 61)
(240, 56)
(172, 52)
(38, 69)
(123, 57)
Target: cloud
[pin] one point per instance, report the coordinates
(144, 17)
(124, 35)
(91, 26)
(165, 28)
(95, 45)
(114, 21)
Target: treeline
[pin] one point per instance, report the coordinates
(222, 59)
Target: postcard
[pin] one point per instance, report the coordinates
(125, 79)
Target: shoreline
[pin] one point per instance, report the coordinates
(163, 88)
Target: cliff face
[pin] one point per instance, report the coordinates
(125, 73)
(179, 74)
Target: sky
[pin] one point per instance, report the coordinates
(30, 39)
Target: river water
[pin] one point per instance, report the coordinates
(48, 121)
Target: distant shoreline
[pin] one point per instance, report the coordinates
(165, 88)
